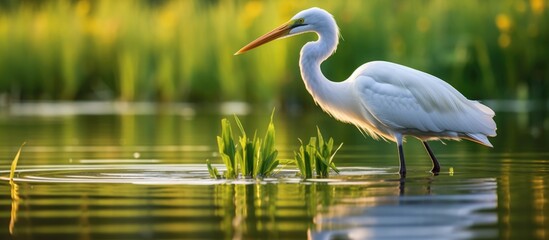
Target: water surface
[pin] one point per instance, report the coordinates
(120, 171)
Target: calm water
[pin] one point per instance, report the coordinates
(116, 171)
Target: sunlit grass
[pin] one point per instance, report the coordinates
(257, 157)
(249, 158)
(14, 191)
(14, 163)
(214, 173)
(183, 50)
(316, 157)
(227, 149)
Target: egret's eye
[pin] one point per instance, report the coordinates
(300, 21)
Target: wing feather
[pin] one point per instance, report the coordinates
(408, 100)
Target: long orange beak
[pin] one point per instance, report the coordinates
(276, 33)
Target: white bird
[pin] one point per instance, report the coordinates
(383, 99)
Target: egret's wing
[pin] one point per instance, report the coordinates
(405, 99)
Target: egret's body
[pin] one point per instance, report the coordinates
(384, 99)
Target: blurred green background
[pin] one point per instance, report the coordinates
(183, 50)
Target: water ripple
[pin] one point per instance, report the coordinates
(193, 174)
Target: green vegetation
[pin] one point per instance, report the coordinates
(183, 50)
(254, 157)
(227, 149)
(317, 155)
(212, 170)
(257, 157)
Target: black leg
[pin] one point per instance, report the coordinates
(436, 165)
(401, 185)
(402, 170)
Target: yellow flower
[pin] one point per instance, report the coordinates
(537, 6)
(503, 22)
(82, 8)
(252, 10)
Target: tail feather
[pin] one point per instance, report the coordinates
(486, 121)
(479, 138)
(486, 110)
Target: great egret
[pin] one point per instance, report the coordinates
(383, 99)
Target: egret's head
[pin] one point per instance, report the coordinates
(309, 20)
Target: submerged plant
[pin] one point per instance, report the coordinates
(318, 155)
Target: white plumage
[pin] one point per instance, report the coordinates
(384, 99)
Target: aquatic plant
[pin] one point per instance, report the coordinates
(227, 149)
(257, 157)
(318, 155)
(212, 170)
(247, 153)
(14, 191)
(304, 159)
(14, 163)
(254, 157)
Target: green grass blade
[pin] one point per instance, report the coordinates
(212, 170)
(299, 158)
(227, 148)
(320, 138)
(256, 160)
(310, 157)
(269, 140)
(249, 159)
(267, 154)
(269, 164)
(240, 161)
(239, 124)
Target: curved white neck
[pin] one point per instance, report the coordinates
(311, 57)
(335, 98)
